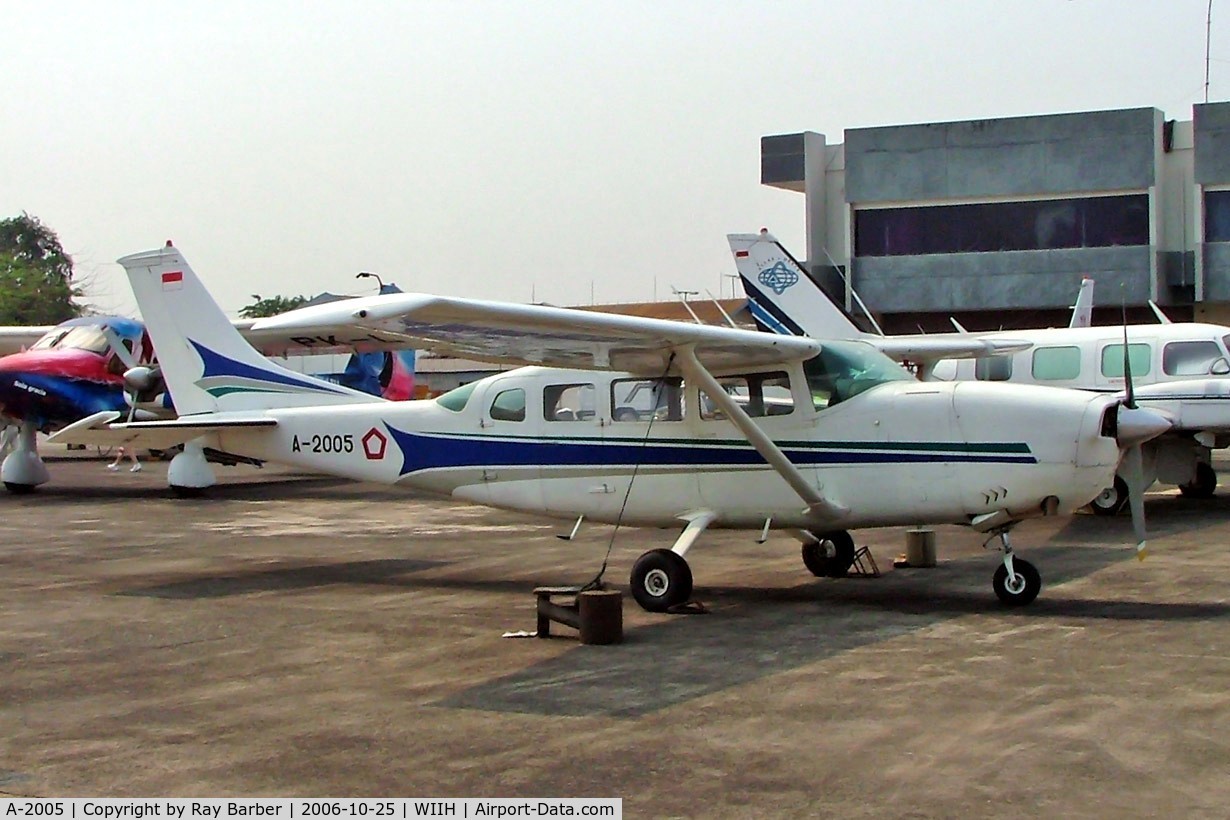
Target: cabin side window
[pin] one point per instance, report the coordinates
(1189, 358)
(647, 400)
(1140, 356)
(759, 394)
(1056, 363)
(993, 369)
(456, 398)
(509, 405)
(569, 402)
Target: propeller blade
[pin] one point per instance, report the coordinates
(1129, 400)
(1134, 469)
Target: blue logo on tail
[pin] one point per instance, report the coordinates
(778, 278)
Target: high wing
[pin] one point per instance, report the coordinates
(538, 334)
(16, 338)
(279, 341)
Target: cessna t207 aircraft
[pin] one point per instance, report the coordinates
(1181, 370)
(642, 421)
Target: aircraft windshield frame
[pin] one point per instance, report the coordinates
(844, 369)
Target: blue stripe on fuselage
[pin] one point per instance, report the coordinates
(433, 451)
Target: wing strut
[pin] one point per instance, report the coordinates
(817, 504)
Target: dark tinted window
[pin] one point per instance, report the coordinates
(1094, 222)
(1217, 216)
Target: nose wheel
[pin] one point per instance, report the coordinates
(1112, 500)
(1016, 582)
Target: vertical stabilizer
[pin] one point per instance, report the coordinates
(207, 365)
(781, 296)
(1082, 311)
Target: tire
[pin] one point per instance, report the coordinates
(19, 489)
(1030, 583)
(1112, 500)
(843, 543)
(817, 558)
(1203, 485)
(661, 579)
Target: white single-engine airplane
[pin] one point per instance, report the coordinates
(668, 423)
(1179, 369)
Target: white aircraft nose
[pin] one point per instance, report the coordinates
(1136, 425)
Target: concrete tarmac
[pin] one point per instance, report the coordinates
(290, 635)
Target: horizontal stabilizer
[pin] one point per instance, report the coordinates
(101, 430)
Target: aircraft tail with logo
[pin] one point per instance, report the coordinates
(208, 366)
(782, 296)
(784, 299)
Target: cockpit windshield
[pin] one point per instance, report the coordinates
(82, 337)
(842, 370)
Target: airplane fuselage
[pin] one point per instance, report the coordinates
(902, 452)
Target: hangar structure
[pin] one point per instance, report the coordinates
(996, 221)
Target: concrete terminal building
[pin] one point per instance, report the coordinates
(996, 221)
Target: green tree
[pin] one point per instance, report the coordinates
(271, 306)
(36, 275)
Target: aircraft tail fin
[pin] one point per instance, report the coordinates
(207, 365)
(781, 295)
(1082, 311)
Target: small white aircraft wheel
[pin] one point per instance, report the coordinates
(1203, 485)
(1022, 589)
(1112, 500)
(660, 580)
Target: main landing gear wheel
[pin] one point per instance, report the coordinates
(19, 489)
(831, 556)
(1113, 499)
(661, 579)
(1203, 485)
(1020, 590)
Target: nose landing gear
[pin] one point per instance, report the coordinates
(1016, 582)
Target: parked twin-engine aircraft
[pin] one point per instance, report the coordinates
(1179, 369)
(105, 366)
(667, 423)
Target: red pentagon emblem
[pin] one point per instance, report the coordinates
(374, 443)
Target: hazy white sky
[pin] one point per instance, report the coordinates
(512, 149)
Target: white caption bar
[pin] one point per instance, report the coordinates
(286, 808)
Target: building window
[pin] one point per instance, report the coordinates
(1217, 216)
(1052, 364)
(1092, 222)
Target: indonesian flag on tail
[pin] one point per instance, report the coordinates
(173, 280)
